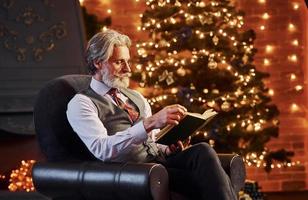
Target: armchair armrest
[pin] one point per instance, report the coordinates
(97, 180)
(234, 166)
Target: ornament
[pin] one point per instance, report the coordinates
(177, 3)
(215, 91)
(181, 71)
(163, 76)
(143, 76)
(250, 128)
(170, 79)
(215, 40)
(212, 64)
(245, 59)
(276, 122)
(225, 106)
(206, 20)
(192, 87)
(168, 76)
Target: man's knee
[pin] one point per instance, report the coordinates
(205, 151)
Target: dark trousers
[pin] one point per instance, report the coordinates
(197, 173)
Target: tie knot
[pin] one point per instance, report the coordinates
(113, 92)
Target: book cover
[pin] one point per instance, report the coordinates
(191, 123)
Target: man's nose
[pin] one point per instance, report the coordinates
(126, 67)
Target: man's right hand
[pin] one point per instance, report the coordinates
(169, 115)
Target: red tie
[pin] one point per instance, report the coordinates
(133, 114)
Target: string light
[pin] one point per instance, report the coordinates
(292, 77)
(104, 29)
(295, 6)
(265, 16)
(271, 92)
(109, 11)
(295, 42)
(262, 1)
(293, 58)
(294, 107)
(298, 87)
(81, 2)
(262, 28)
(269, 48)
(20, 179)
(291, 27)
(266, 62)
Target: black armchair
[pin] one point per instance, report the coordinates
(67, 175)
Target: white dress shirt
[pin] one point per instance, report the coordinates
(82, 115)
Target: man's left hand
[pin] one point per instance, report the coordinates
(174, 148)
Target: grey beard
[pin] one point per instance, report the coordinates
(113, 81)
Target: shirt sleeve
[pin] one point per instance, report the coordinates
(148, 113)
(82, 115)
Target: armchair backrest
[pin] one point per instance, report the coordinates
(55, 135)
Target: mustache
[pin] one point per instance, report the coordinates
(126, 75)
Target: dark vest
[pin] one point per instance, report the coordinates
(116, 119)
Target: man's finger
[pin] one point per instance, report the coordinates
(176, 109)
(180, 145)
(175, 117)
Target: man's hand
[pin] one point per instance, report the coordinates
(169, 115)
(174, 148)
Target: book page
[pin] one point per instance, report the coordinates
(207, 114)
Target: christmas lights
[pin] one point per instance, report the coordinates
(21, 179)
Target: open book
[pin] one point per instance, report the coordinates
(191, 123)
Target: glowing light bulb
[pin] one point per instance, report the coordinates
(174, 90)
(266, 62)
(265, 16)
(262, 1)
(269, 48)
(271, 92)
(262, 28)
(81, 2)
(295, 42)
(291, 27)
(298, 87)
(294, 107)
(293, 58)
(293, 77)
(109, 11)
(295, 6)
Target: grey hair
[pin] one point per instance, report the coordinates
(100, 47)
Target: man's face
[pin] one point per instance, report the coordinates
(116, 72)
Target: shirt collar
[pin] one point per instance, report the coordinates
(99, 87)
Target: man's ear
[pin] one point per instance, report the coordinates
(99, 65)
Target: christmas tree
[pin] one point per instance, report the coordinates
(197, 55)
